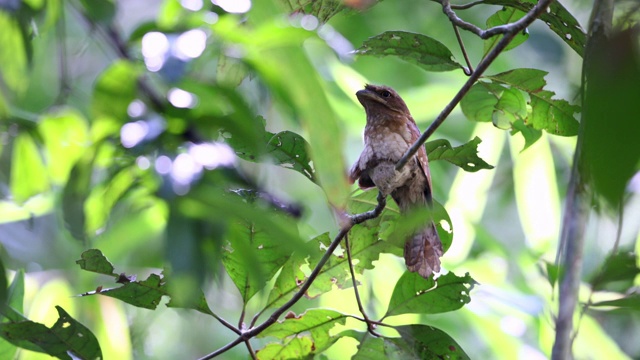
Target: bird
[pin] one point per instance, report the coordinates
(389, 132)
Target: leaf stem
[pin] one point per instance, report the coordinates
(370, 326)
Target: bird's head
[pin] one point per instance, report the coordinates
(379, 100)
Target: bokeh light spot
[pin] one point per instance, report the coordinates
(233, 6)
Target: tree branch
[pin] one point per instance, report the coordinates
(354, 220)
(509, 31)
(571, 245)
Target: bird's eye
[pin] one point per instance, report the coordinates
(385, 93)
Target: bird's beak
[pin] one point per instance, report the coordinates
(368, 95)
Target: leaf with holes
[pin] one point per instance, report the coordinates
(416, 342)
(252, 257)
(418, 49)
(557, 18)
(414, 294)
(67, 336)
(314, 323)
(322, 9)
(464, 156)
(290, 150)
(552, 115)
(502, 17)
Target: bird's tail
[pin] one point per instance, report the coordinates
(423, 251)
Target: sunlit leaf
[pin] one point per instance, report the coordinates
(66, 135)
(115, 89)
(315, 323)
(557, 18)
(66, 336)
(464, 156)
(365, 247)
(252, 257)
(414, 294)
(13, 53)
(28, 173)
(297, 347)
(502, 17)
(230, 71)
(418, 49)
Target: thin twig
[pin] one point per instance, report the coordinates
(354, 220)
(467, 6)
(227, 324)
(370, 326)
(469, 70)
(510, 31)
(250, 349)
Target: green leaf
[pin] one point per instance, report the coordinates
(418, 49)
(322, 9)
(365, 247)
(290, 150)
(620, 266)
(296, 348)
(252, 257)
(145, 294)
(429, 343)
(414, 294)
(502, 17)
(630, 302)
(416, 342)
(28, 173)
(553, 116)
(115, 89)
(75, 193)
(315, 323)
(66, 135)
(481, 100)
(93, 260)
(611, 131)
(529, 134)
(230, 71)
(510, 108)
(557, 18)
(14, 52)
(101, 11)
(464, 156)
(64, 337)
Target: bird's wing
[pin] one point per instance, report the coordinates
(421, 156)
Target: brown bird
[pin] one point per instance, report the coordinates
(389, 133)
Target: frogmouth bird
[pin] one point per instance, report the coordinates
(389, 133)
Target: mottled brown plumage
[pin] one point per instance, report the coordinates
(389, 133)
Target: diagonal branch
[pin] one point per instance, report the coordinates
(354, 220)
(509, 31)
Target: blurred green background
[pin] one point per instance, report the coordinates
(75, 174)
